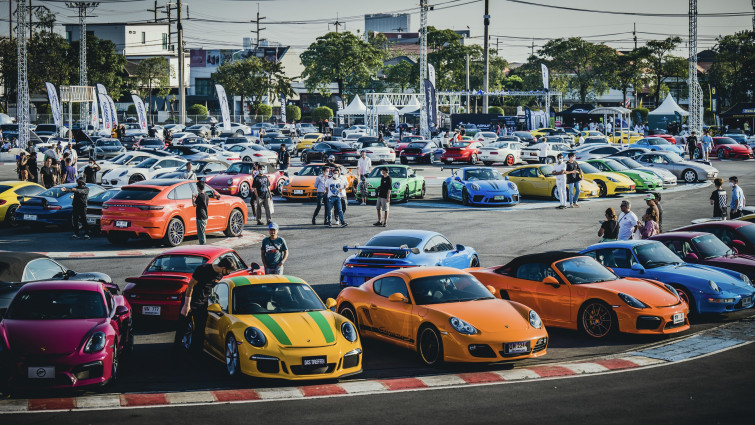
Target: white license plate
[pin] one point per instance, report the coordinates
(121, 224)
(499, 198)
(372, 193)
(150, 310)
(43, 372)
(518, 347)
(91, 220)
(30, 217)
(678, 318)
(746, 300)
(410, 158)
(298, 192)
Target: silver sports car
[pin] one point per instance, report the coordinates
(689, 171)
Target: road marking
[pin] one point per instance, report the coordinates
(279, 393)
(106, 401)
(65, 403)
(441, 380)
(586, 368)
(695, 346)
(481, 377)
(403, 384)
(517, 374)
(191, 397)
(362, 387)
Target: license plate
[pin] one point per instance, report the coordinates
(30, 217)
(91, 220)
(372, 193)
(298, 192)
(746, 300)
(121, 224)
(533, 154)
(518, 347)
(314, 361)
(44, 372)
(499, 198)
(410, 158)
(151, 310)
(678, 318)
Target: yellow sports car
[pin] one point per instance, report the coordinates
(624, 137)
(308, 140)
(542, 132)
(590, 133)
(275, 326)
(609, 183)
(9, 193)
(537, 180)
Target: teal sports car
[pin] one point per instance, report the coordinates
(643, 181)
(406, 183)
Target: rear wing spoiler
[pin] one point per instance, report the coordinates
(402, 248)
(157, 278)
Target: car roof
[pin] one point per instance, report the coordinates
(158, 183)
(205, 250)
(424, 234)
(78, 285)
(12, 264)
(734, 224)
(547, 257)
(620, 244)
(679, 235)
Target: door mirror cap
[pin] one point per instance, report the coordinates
(638, 267)
(690, 257)
(542, 177)
(214, 308)
(491, 289)
(70, 273)
(330, 303)
(121, 310)
(398, 297)
(550, 280)
(460, 247)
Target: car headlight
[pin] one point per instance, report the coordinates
(745, 279)
(612, 179)
(255, 337)
(348, 331)
(475, 186)
(96, 342)
(123, 174)
(286, 182)
(229, 181)
(535, 320)
(396, 185)
(713, 286)
(461, 326)
(671, 289)
(631, 301)
(512, 186)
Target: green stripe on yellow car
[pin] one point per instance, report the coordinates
(293, 279)
(239, 281)
(274, 327)
(322, 322)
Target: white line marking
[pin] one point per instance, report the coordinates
(362, 387)
(98, 401)
(517, 374)
(441, 380)
(585, 368)
(279, 393)
(190, 397)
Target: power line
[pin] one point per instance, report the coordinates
(646, 14)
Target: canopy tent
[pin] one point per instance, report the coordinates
(669, 107)
(740, 115)
(385, 107)
(356, 107)
(619, 117)
(576, 113)
(5, 119)
(411, 107)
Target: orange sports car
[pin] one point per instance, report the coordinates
(445, 315)
(163, 209)
(302, 185)
(576, 292)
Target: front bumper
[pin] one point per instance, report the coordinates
(290, 192)
(723, 302)
(658, 320)
(342, 359)
(502, 198)
(492, 347)
(74, 370)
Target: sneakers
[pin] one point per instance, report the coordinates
(363, 203)
(344, 224)
(314, 221)
(74, 236)
(385, 224)
(86, 237)
(575, 205)
(337, 223)
(330, 225)
(259, 223)
(377, 224)
(561, 207)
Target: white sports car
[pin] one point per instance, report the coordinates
(217, 152)
(252, 152)
(378, 152)
(145, 170)
(128, 159)
(486, 137)
(509, 153)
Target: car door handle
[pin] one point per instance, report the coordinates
(373, 306)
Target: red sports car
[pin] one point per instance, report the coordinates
(464, 151)
(64, 334)
(667, 137)
(159, 291)
(237, 179)
(726, 147)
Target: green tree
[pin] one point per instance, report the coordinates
(254, 78)
(733, 69)
(495, 110)
(577, 66)
(263, 110)
(400, 75)
(293, 113)
(197, 109)
(677, 67)
(321, 114)
(341, 58)
(643, 113)
(152, 74)
(627, 70)
(656, 52)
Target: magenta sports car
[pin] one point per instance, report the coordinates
(706, 248)
(64, 335)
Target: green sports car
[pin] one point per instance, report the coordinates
(643, 181)
(406, 183)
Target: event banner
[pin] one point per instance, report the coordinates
(95, 116)
(224, 107)
(432, 106)
(141, 112)
(113, 111)
(57, 112)
(431, 73)
(545, 76)
(340, 105)
(283, 108)
(107, 121)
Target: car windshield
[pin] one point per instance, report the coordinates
(615, 165)
(393, 172)
(54, 192)
(672, 157)
(240, 168)
(460, 144)
(104, 196)
(658, 141)
(596, 140)
(482, 174)
(275, 298)
(726, 141)
(176, 263)
(311, 170)
(523, 135)
(374, 144)
(581, 270)
(282, 140)
(135, 194)
(629, 162)
(588, 168)
(655, 254)
(394, 241)
(748, 232)
(108, 143)
(146, 163)
(57, 305)
(416, 145)
(710, 246)
(311, 136)
(151, 142)
(448, 289)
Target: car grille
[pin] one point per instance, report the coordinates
(540, 344)
(672, 325)
(299, 370)
(268, 366)
(481, 350)
(648, 322)
(351, 361)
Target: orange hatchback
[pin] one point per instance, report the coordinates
(163, 209)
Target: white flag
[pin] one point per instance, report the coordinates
(283, 108)
(95, 116)
(141, 113)
(57, 113)
(395, 119)
(113, 112)
(107, 122)
(545, 76)
(224, 107)
(431, 73)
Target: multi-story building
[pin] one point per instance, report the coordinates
(387, 22)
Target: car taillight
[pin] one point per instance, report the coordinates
(364, 151)
(52, 207)
(3, 201)
(234, 159)
(258, 154)
(150, 207)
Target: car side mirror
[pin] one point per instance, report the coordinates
(638, 267)
(121, 310)
(457, 178)
(542, 177)
(157, 167)
(296, 173)
(214, 308)
(70, 274)
(691, 257)
(459, 247)
(398, 297)
(330, 303)
(412, 176)
(738, 243)
(552, 281)
(491, 289)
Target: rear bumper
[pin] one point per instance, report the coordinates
(169, 310)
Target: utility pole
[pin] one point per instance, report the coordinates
(22, 98)
(10, 22)
(532, 48)
(497, 50)
(424, 127)
(753, 17)
(31, 23)
(634, 32)
(83, 8)
(337, 23)
(468, 111)
(155, 10)
(486, 60)
(181, 88)
(258, 21)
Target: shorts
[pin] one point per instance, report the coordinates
(382, 204)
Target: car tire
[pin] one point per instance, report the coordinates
(487, 163)
(349, 312)
(430, 346)
(235, 224)
(474, 262)
(597, 320)
(554, 193)
(422, 192)
(602, 188)
(135, 178)
(279, 186)
(403, 160)
(465, 197)
(244, 190)
(510, 160)
(117, 238)
(10, 216)
(232, 358)
(444, 192)
(174, 232)
(114, 366)
(689, 176)
(247, 159)
(687, 297)
(697, 153)
(721, 154)
(550, 160)
(473, 159)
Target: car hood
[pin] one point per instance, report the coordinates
(307, 181)
(737, 148)
(493, 185)
(304, 329)
(47, 337)
(647, 292)
(691, 272)
(698, 165)
(485, 315)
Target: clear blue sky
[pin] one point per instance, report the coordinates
(514, 23)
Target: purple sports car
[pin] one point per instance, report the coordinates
(64, 334)
(706, 248)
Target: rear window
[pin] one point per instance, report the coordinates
(57, 305)
(176, 263)
(3, 188)
(394, 241)
(135, 194)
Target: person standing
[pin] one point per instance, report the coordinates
(284, 158)
(262, 197)
(543, 151)
(70, 172)
(33, 168)
(200, 202)
(707, 144)
(22, 167)
(50, 174)
(189, 174)
(737, 199)
(90, 171)
(72, 153)
(609, 228)
(193, 317)
(692, 144)
(364, 166)
(321, 186)
(627, 221)
(559, 170)
(573, 177)
(651, 224)
(79, 216)
(383, 197)
(718, 199)
(654, 204)
(274, 251)
(336, 192)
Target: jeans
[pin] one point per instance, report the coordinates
(274, 270)
(201, 226)
(79, 218)
(573, 192)
(335, 202)
(321, 200)
(198, 319)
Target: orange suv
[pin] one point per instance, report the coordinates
(163, 209)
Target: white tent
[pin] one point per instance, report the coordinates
(412, 106)
(385, 107)
(5, 119)
(356, 107)
(669, 107)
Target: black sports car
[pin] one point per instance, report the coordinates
(342, 153)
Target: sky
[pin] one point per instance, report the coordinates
(514, 26)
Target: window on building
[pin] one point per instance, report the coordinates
(204, 87)
(165, 41)
(68, 36)
(144, 37)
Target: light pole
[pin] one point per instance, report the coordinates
(486, 53)
(83, 8)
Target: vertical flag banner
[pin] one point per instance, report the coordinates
(95, 116)
(431, 73)
(339, 104)
(107, 122)
(283, 108)
(57, 112)
(396, 118)
(545, 76)
(432, 106)
(224, 107)
(113, 111)
(141, 113)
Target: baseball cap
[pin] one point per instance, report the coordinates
(650, 197)
(272, 226)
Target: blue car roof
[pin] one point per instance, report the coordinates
(619, 244)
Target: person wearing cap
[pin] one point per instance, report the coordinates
(707, 144)
(274, 251)
(79, 215)
(692, 144)
(284, 158)
(655, 207)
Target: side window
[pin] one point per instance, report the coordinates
(320, 147)
(109, 300)
(599, 165)
(516, 173)
(438, 244)
(616, 258)
(675, 247)
(30, 190)
(220, 296)
(41, 268)
(391, 285)
(184, 191)
(534, 271)
(237, 262)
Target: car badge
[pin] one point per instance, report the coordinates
(506, 326)
(308, 341)
(43, 348)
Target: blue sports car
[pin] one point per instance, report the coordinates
(53, 206)
(706, 289)
(659, 144)
(480, 186)
(395, 249)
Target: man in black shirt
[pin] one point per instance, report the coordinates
(383, 197)
(263, 199)
(201, 201)
(49, 174)
(284, 158)
(193, 317)
(90, 171)
(692, 144)
(573, 177)
(79, 216)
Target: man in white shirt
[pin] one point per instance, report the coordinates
(336, 190)
(542, 151)
(74, 154)
(364, 166)
(559, 170)
(189, 174)
(627, 221)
